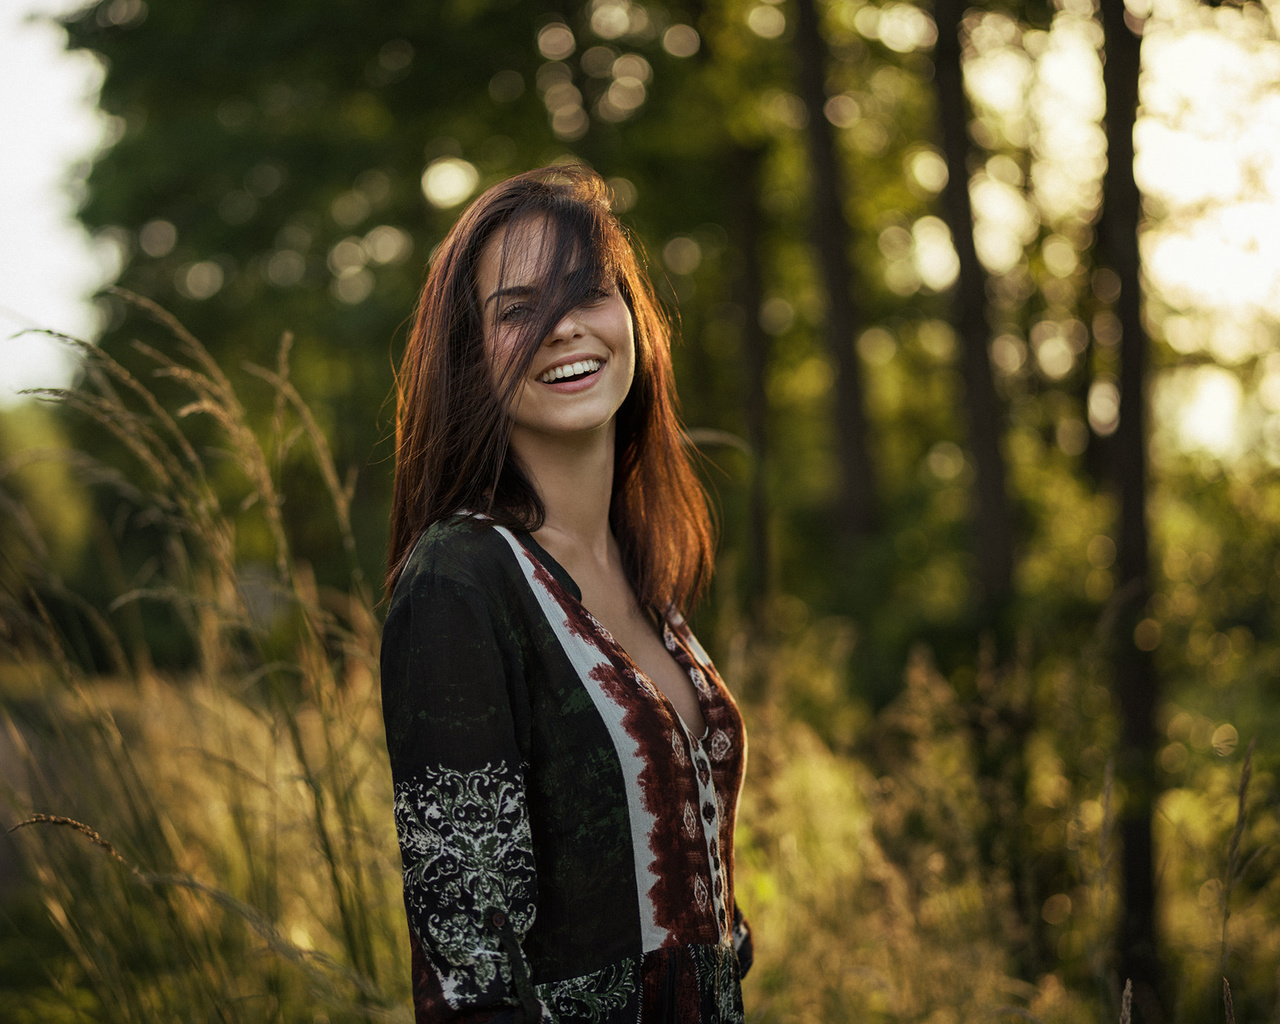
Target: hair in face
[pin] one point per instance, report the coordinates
(452, 429)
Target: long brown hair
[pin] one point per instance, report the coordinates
(453, 433)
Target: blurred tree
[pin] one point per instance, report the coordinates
(993, 535)
(998, 713)
(857, 495)
(1136, 681)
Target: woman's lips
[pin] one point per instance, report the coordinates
(576, 375)
(576, 368)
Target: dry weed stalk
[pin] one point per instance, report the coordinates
(282, 716)
(1235, 867)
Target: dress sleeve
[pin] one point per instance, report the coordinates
(470, 888)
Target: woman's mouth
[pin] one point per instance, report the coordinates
(570, 371)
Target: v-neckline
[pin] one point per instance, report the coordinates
(561, 575)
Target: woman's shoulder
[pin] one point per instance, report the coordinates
(462, 550)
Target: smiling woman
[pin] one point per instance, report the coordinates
(566, 759)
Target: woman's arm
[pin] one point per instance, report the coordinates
(470, 888)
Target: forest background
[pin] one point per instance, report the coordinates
(993, 434)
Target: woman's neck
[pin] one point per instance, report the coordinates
(574, 479)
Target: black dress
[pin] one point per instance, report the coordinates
(567, 843)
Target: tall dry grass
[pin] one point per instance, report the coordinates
(218, 845)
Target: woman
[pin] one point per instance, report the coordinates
(566, 760)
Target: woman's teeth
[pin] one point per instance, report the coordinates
(577, 369)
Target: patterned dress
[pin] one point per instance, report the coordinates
(567, 843)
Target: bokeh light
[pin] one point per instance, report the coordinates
(449, 181)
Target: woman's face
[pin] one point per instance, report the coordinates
(583, 368)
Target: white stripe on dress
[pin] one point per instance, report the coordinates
(585, 657)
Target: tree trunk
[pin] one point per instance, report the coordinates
(1136, 682)
(984, 417)
(998, 713)
(856, 500)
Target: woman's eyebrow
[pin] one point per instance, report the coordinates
(571, 278)
(518, 289)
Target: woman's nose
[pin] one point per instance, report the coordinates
(567, 327)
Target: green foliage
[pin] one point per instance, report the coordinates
(928, 829)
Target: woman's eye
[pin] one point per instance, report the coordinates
(514, 313)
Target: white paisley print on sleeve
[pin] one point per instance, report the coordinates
(467, 850)
(594, 997)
